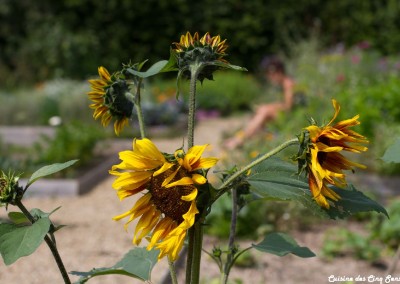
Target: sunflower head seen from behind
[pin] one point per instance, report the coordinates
(193, 51)
(324, 161)
(111, 100)
(167, 185)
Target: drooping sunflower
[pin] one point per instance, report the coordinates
(109, 100)
(167, 208)
(207, 50)
(326, 164)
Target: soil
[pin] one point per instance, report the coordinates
(92, 239)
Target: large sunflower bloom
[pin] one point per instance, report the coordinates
(106, 101)
(325, 162)
(168, 207)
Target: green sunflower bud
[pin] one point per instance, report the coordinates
(10, 191)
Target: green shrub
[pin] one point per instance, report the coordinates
(72, 141)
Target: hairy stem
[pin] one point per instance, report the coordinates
(50, 244)
(192, 107)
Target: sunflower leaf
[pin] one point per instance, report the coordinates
(18, 241)
(48, 170)
(392, 153)
(137, 263)
(276, 179)
(281, 244)
(158, 67)
(351, 202)
(228, 65)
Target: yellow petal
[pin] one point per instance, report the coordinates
(199, 179)
(191, 196)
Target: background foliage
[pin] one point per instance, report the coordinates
(70, 38)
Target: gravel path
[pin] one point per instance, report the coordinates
(92, 239)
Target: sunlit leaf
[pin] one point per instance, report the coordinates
(392, 154)
(48, 170)
(17, 241)
(281, 244)
(137, 263)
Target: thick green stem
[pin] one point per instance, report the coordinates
(172, 271)
(50, 244)
(139, 111)
(197, 249)
(225, 186)
(189, 259)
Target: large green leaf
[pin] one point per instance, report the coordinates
(281, 244)
(392, 154)
(17, 241)
(277, 179)
(48, 170)
(137, 263)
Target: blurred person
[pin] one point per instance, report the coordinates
(274, 71)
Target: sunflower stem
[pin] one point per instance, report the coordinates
(139, 111)
(231, 244)
(194, 71)
(197, 249)
(225, 186)
(189, 259)
(172, 271)
(49, 242)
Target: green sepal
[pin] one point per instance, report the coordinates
(18, 241)
(48, 170)
(281, 244)
(392, 153)
(277, 180)
(137, 263)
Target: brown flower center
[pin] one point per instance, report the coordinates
(168, 200)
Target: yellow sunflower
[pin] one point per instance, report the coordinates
(325, 162)
(168, 207)
(107, 94)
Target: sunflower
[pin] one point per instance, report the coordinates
(325, 163)
(207, 51)
(109, 100)
(167, 209)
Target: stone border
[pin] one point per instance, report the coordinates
(49, 187)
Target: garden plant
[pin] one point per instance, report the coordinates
(174, 195)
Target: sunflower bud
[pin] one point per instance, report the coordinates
(10, 191)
